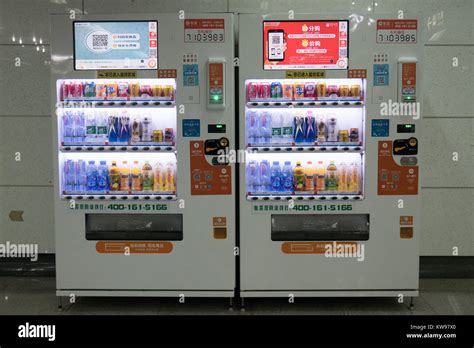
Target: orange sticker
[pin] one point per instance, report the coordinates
(133, 247)
(207, 179)
(408, 74)
(216, 74)
(219, 221)
(406, 220)
(310, 247)
(406, 232)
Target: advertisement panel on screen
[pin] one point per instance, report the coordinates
(116, 45)
(305, 45)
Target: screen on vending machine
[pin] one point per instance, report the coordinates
(306, 45)
(115, 45)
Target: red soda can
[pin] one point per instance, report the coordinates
(145, 90)
(309, 90)
(252, 91)
(75, 91)
(264, 90)
(333, 91)
(65, 89)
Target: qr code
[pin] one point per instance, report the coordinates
(276, 40)
(99, 41)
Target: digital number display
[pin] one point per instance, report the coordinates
(203, 36)
(394, 38)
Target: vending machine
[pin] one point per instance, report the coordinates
(142, 105)
(329, 195)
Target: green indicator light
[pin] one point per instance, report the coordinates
(408, 126)
(216, 97)
(218, 126)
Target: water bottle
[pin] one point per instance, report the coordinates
(264, 176)
(299, 128)
(265, 127)
(68, 126)
(91, 128)
(277, 128)
(102, 177)
(276, 177)
(287, 129)
(81, 177)
(91, 173)
(79, 127)
(310, 132)
(287, 177)
(253, 131)
(69, 176)
(252, 177)
(101, 122)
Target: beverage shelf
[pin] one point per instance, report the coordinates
(305, 148)
(115, 103)
(308, 104)
(322, 197)
(158, 196)
(117, 148)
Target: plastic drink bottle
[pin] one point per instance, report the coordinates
(114, 175)
(91, 177)
(170, 177)
(276, 128)
(276, 177)
(67, 124)
(287, 129)
(287, 177)
(265, 127)
(331, 177)
(319, 176)
(125, 177)
(91, 128)
(264, 176)
(342, 178)
(135, 130)
(146, 131)
(158, 177)
(299, 129)
(309, 177)
(353, 181)
(124, 133)
(321, 130)
(112, 125)
(103, 177)
(101, 122)
(310, 131)
(136, 177)
(252, 177)
(298, 177)
(147, 177)
(69, 176)
(331, 129)
(253, 131)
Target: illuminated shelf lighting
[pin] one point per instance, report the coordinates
(85, 197)
(280, 104)
(306, 148)
(335, 197)
(117, 148)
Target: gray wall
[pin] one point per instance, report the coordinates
(25, 110)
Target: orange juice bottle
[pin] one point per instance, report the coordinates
(342, 179)
(125, 177)
(319, 177)
(114, 177)
(158, 182)
(169, 177)
(136, 177)
(309, 177)
(298, 177)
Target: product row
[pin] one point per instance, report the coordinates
(277, 127)
(301, 91)
(81, 177)
(91, 127)
(113, 90)
(303, 178)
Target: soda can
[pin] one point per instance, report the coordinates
(321, 89)
(101, 90)
(89, 89)
(354, 135)
(299, 90)
(134, 89)
(75, 90)
(168, 92)
(112, 89)
(333, 91)
(309, 90)
(157, 91)
(65, 90)
(158, 136)
(252, 91)
(343, 136)
(276, 91)
(355, 91)
(264, 91)
(123, 90)
(169, 135)
(344, 91)
(145, 91)
(288, 91)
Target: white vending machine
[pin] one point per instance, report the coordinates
(142, 105)
(329, 195)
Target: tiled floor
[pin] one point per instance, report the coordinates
(29, 295)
